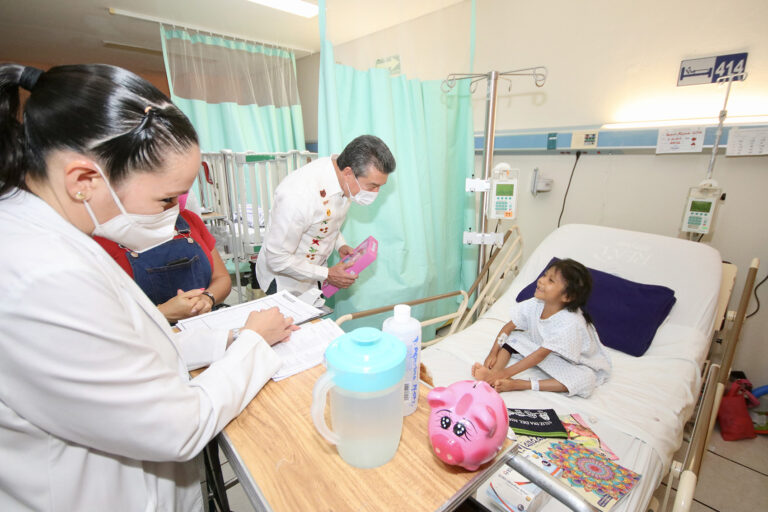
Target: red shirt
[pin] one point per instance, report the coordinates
(197, 231)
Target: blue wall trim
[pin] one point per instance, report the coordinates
(606, 139)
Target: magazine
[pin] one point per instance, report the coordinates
(579, 431)
(600, 481)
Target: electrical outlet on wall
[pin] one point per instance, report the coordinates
(584, 139)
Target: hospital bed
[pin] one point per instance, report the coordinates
(642, 411)
(236, 191)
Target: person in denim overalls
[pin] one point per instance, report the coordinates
(182, 276)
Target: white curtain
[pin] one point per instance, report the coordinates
(239, 95)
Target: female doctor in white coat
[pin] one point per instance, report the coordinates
(97, 411)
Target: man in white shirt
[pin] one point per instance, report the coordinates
(309, 207)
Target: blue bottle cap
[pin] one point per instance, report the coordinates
(366, 360)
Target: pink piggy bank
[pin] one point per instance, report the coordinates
(467, 424)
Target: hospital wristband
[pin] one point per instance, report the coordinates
(502, 339)
(534, 384)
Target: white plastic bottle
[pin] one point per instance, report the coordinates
(407, 330)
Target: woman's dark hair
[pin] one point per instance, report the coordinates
(578, 284)
(101, 111)
(364, 151)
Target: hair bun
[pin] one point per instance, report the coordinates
(29, 77)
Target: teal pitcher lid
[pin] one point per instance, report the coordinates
(366, 360)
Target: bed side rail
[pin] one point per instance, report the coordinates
(733, 334)
(444, 318)
(702, 428)
(714, 386)
(509, 256)
(549, 484)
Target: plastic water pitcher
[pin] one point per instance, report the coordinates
(364, 379)
(407, 330)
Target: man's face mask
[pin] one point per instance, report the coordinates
(363, 197)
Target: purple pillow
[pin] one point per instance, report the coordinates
(626, 314)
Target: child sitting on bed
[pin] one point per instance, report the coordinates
(550, 331)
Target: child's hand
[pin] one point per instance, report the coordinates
(490, 360)
(480, 372)
(502, 385)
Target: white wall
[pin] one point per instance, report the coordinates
(607, 61)
(307, 74)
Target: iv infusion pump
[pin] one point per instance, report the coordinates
(700, 208)
(502, 203)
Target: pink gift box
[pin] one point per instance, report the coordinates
(362, 257)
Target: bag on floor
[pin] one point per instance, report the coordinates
(733, 417)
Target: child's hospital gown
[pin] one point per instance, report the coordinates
(578, 359)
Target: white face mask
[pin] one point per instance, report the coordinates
(363, 197)
(137, 232)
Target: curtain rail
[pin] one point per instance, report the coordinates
(165, 21)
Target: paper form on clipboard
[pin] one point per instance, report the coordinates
(235, 316)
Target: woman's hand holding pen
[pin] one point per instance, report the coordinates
(271, 325)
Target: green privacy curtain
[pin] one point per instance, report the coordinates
(422, 211)
(239, 95)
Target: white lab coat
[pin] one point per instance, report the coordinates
(304, 228)
(97, 410)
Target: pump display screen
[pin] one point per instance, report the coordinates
(701, 206)
(507, 189)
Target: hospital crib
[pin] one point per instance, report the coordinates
(236, 191)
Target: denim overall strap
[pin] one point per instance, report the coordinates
(179, 264)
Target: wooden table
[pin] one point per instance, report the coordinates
(283, 464)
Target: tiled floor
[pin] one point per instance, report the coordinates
(733, 478)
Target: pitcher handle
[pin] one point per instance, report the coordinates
(319, 394)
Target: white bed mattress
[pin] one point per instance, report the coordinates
(641, 411)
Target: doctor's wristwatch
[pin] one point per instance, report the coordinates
(210, 296)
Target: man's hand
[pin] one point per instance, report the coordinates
(338, 277)
(345, 251)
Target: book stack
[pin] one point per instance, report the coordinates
(568, 450)
(536, 422)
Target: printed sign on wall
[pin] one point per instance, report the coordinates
(680, 140)
(746, 142)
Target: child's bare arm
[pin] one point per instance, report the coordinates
(494, 352)
(528, 361)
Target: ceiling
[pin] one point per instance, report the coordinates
(80, 31)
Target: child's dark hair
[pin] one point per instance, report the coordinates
(101, 111)
(578, 284)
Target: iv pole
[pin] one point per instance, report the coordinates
(539, 74)
(708, 182)
(721, 119)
